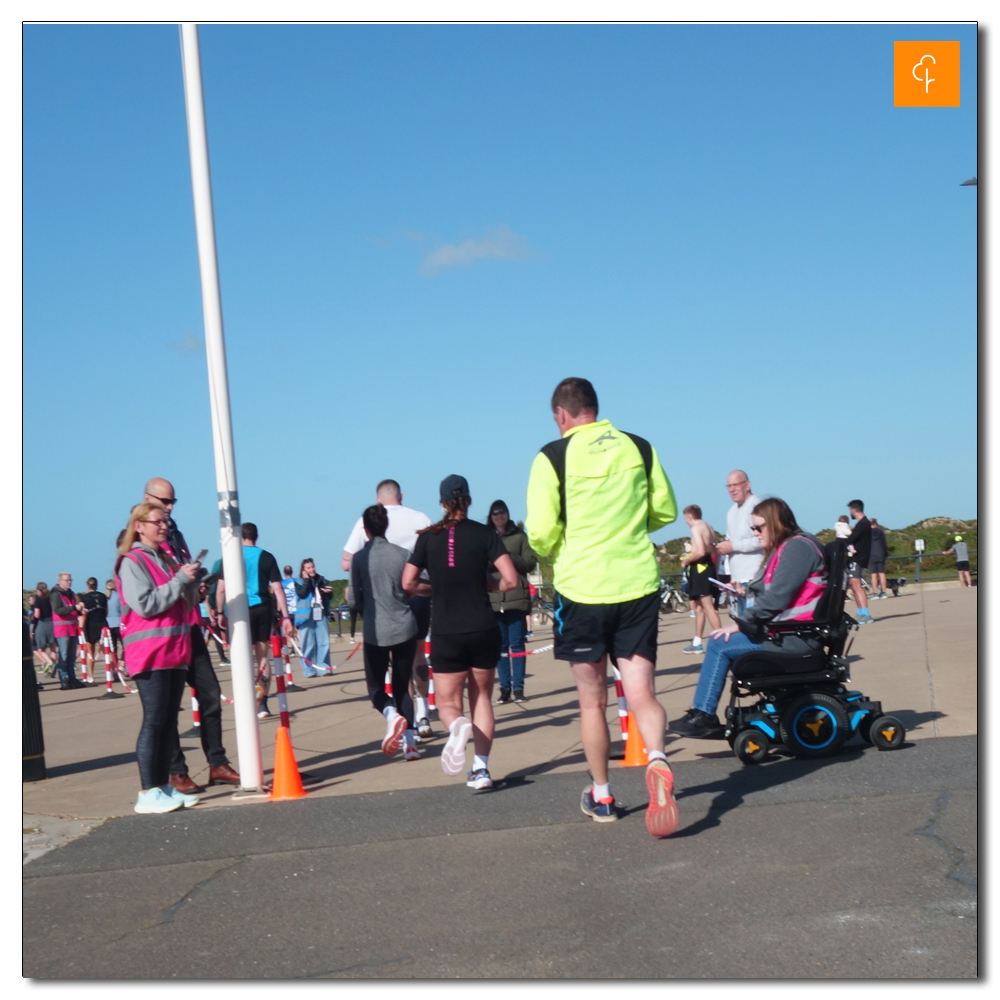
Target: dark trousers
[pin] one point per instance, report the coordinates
(160, 692)
(204, 683)
(376, 661)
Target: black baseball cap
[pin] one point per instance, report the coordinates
(454, 487)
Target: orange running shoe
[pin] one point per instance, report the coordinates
(662, 816)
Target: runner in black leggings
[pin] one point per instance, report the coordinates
(458, 555)
(390, 629)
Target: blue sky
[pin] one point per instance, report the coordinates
(730, 230)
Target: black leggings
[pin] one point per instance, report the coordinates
(160, 692)
(376, 662)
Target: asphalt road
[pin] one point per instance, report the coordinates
(859, 866)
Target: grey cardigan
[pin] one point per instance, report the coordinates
(377, 592)
(140, 593)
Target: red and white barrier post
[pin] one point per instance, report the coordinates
(289, 680)
(622, 704)
(279, 679)
(108, 676)
(118, 669)
(431, 701)
(195, 729)
(81, 642)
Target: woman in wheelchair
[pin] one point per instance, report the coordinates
(788, 587)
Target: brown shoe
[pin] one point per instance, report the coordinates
(183, 783)
(222, 775)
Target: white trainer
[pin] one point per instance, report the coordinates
(453, 754)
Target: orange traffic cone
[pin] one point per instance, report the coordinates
(286, 782)
(635, 752)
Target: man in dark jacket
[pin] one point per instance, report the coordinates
(511, 607)
(860, 541)
(876, 561)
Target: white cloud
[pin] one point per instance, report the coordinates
(188, 344)
(498, 242)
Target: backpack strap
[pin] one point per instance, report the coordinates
(555, 452)
(645, 449)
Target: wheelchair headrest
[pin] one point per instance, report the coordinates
(831, 603)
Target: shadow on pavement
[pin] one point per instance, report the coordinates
(733, 789)
(96, 764)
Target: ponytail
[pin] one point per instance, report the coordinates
(454, 511)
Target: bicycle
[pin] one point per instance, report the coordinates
(542, 611)
(671, 599)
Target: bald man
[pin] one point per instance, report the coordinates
(200, 676)
(741, 544)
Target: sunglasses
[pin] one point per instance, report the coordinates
(145, 521)
(757, 528)
(165, 502)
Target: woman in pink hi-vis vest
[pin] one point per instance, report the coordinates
(157, 597)
(787, 587)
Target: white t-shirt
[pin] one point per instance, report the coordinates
(404, 523)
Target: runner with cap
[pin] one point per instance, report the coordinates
(457, 554)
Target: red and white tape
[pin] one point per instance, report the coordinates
(316, 666)
(531, 652)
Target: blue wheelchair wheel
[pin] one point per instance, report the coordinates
(814, 725)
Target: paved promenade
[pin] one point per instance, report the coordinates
(919, 659)
(861, 865)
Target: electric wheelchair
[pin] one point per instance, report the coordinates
(802, 700)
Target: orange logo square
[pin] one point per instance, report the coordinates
(925, 74)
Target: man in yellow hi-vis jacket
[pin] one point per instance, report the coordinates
(593, 497)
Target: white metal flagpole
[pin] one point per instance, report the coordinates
(240, 647)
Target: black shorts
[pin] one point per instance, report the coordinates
(876, 566)
(92, 632)
(261, 622)
(854, 571)
(421, 608)
(451, 654)
(698, 585)
(585, 632)
(962, 565)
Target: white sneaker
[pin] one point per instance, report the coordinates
(395, 728)
(453, 754)
(155, 800)
(411, 753)
(424, 727)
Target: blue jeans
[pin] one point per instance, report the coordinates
(512, 629)
(66, 664)
(719, 656)
(315, 639)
